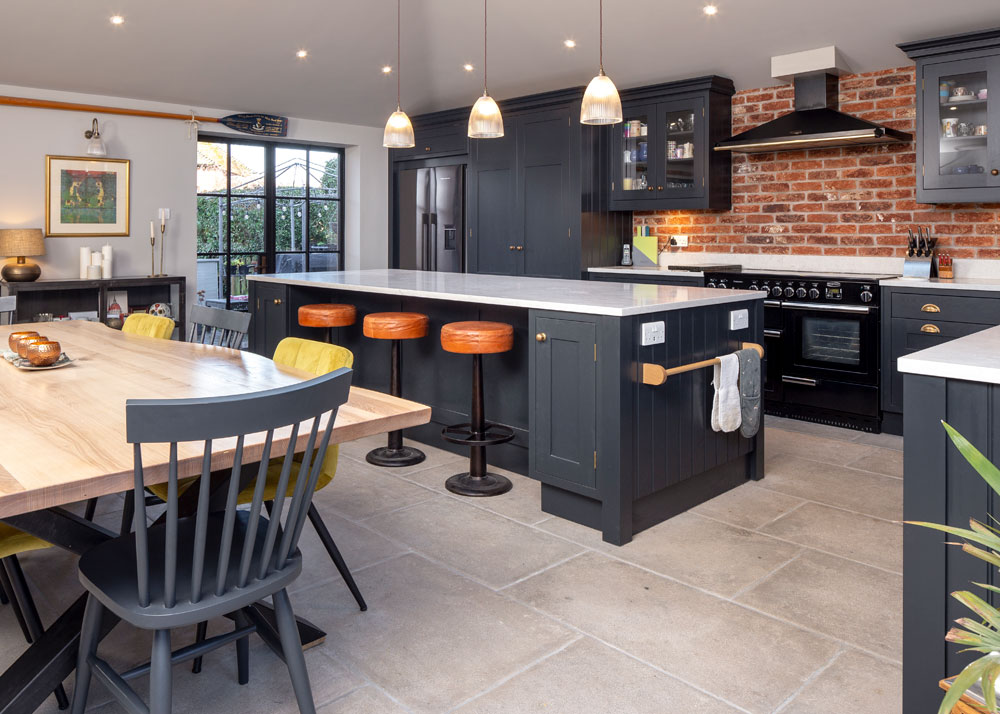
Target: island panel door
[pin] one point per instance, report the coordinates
(493, 230)
(564, 430)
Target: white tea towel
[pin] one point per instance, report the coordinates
(726, 409)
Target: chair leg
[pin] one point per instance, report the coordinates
(159, 674)
(291, 646)
(200, 634)
(6, 587)
(242, 650)
(89, 637)
(338, 559)
(32, 623)
(88, 513)
(4, 600)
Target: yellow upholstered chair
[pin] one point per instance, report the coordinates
(149, 326)
(14, 587)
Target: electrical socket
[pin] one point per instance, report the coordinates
(653, 333)
(679, 241)
(739, 319)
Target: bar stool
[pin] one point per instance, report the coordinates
(477, 339)
(395, 326)
(328, 315)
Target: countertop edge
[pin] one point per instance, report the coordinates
(631, 269)
(981, 284)
(945, 367)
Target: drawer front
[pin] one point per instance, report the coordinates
(915, 335)
(438, 142)
(935, 307)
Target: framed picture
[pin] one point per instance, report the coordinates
(86, 196)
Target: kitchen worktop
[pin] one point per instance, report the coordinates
(972, 358)
(992, 284)
(646, 270)
(578, 296)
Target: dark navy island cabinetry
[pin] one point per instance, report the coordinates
(610, 452)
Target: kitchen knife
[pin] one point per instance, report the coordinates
(911, 243)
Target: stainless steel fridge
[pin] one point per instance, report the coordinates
(432, 219)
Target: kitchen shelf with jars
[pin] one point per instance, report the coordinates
(662, 154)
(958, 149)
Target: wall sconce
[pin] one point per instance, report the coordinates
(95, 145)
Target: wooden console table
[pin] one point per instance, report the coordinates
(60, 297)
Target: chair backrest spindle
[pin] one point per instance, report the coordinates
(222, 328)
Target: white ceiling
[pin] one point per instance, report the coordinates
(241, 55)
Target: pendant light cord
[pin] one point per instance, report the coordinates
(600, 42)
(485, 87)
(399, 69)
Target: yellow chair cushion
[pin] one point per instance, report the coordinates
(149, 326)
(13, 541)
(318, 358)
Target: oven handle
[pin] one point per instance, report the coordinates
(772, 303)
(805, 381)
(772, 333)
(858, 309)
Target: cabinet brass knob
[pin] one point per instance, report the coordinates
(932, 329)
(541, 337)
(650, 188)
(277, 301)
(930, 307)
(520, 247)
(994, 172)
(427, 148)
(510, 247)
(659, 188)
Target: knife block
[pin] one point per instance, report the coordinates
(919, 268)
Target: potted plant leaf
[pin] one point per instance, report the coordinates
(981, 633)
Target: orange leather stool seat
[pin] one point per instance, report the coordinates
(327, 315)
(395, 325)
(477, 338)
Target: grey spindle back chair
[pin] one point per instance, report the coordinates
(8, 306)
(212, 326)
(216, 559)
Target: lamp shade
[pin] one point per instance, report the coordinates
(398, 131)
(485, 121)
(601, 103)
(18, 242)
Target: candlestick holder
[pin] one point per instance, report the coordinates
(152, 255)
(163, 232)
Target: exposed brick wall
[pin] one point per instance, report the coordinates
(851, 201)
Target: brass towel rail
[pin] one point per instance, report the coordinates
(656, 375)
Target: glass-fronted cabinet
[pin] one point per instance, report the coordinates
(958, 120)
(662, 155)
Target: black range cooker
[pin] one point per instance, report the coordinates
(821, 337)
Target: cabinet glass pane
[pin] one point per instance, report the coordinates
(680, 153)
(962, 131)
(636, 174)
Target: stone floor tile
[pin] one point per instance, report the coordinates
(881, 461)
(361, 491)
(809, 446)
(366, 700)
(434, 456)
(854, 682)
(749, 505)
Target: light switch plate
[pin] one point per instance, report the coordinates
(653, 333)
(739, 319)
(679, 241)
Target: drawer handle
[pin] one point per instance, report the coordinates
(277, 301)
(541, 337)
(427, 148)
(931, 329)
(520, 247)
(511, 247)
(930, 307)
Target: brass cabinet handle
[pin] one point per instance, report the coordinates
(659, 188)
(541, 337)
(277, 301)
(930, 307)
(510, 247)
(520, 247)
(427, 148)
(650, 188)
(994, 172)
(932, 329)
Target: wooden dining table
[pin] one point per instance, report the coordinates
(62, 440)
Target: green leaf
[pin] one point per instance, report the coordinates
(990, 541)
(966, 678)
(991, 557)
(991, 588)
(978, 606)
(989, 687)
(989, 472)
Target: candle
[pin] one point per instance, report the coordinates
(106, 268)
(94, 271)
(84, 262)
(152, 233)
(96, 259)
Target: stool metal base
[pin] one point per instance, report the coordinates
(387, 456)
(490, 484)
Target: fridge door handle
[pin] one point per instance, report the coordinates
(424, 242)
(434, 241)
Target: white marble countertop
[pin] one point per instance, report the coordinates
(580, 296)
(973, 358)
(646, 270)
(992, 284)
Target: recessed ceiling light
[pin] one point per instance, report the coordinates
(570, 43)
(302, 54)
(386, 69)
(117, 20)
(710, 10)
(467, 67)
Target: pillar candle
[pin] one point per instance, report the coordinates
(106, 256)
(96, 259)
(84, 262)
(94, 271)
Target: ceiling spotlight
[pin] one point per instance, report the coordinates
(710, 10)
(117, 20)
(570, 43)
(467, 67)
(386, 70)
(301, 54)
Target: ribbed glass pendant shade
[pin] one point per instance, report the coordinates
(601, 103)
(398, 131)
(485, 121)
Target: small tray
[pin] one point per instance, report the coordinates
(16, 360)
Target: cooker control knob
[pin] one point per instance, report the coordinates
(789, 292)
(776, 291)
(764, 289)
(710, 284)
(800, 293)
(722, 285)
(866, 296)
(813, 294)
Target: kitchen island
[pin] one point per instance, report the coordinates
(611, 452)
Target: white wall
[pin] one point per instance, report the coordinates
(163, 175)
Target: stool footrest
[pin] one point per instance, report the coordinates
(463, 434)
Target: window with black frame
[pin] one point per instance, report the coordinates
(265, 207)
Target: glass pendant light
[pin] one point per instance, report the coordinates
(398, 130)
(485, 121)
(601, 103)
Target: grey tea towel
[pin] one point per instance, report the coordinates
(749, 391)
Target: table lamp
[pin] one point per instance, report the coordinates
(17, 243)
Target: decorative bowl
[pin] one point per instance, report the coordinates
(22, 344)
(14, 337)
(42, 354)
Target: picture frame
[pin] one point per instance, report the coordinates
(86, 196)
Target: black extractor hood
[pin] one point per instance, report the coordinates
(815, 124)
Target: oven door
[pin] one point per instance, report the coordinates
(830, 342)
